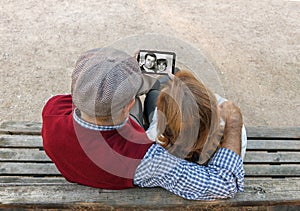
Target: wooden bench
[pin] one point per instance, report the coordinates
(28, 179)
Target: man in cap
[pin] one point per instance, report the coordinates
(94, 138)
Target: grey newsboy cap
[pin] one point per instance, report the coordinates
(104, 81)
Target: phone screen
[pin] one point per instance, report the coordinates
(156, 62)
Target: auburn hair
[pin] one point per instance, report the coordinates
(188, 119)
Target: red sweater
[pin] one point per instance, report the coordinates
(106, 159)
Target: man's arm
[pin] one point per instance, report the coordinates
(220, 179)
(148, 82)
(233, 126)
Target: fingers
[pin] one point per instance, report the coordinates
(136, 53)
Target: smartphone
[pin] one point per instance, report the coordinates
(156, 62)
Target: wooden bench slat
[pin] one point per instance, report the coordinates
(274, 132)
(8, 168)
(279, 157)
(36, 141)
(13, 168)
(256, 132)
(21, 141)
(265, 182)
(21, 155)
(26, 127)
(68, 195)
(272, 170)
(28, 180)
(273, 145)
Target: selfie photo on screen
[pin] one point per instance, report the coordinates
(156, 62)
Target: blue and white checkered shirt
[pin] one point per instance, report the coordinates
(222, 178)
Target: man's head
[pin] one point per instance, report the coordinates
(150, 59)
(104, 82)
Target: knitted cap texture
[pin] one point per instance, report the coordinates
(104, 81)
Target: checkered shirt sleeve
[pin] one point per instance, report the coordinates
(221, 178)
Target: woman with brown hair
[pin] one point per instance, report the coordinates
(191, 119)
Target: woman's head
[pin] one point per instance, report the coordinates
(162, 64)
(188, 119)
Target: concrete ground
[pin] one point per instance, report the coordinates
(251, 47)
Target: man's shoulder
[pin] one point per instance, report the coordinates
(58, 105)
(61, 97)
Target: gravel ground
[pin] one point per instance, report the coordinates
(252, 46)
